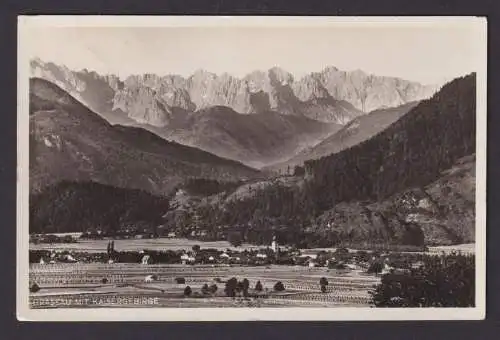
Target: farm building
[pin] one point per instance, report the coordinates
(146, 259)
(151, 278)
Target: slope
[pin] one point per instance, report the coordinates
(68, 141)
(254, 139)
(78, 206)
(419, 173)
(356, 131)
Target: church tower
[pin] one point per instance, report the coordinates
(274, 244)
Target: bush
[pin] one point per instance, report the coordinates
(258, 286)
(443, 281)
(235, 239)
(279, 287)
(213, 288)
(34, 288)
(231, 286)
(187, 291)
(375, 268)
(245, 285)
(180, 280)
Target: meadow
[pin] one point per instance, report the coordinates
(99, 246)
(81, 285)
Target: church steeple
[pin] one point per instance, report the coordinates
(274, 244)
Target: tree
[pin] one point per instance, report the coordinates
(231, 286)
(246, 285)
(279, 286)
(104, 280)
(323, 282)
(235, 239)
(187, 291)
(447, 281)
(299, 171)
(196, 248)
(204, 289)
(34, 287)
(376, 267)
(258, 286)
(213, 288)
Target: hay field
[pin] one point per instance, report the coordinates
(99, 246)
(80, 285)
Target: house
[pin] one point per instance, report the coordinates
(146, 259)
(387, 269)
(312, 263)
(150, 278)
(224, 255)
(68, 258)
(417, 264)
(185, 258)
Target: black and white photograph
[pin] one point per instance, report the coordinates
(251, 168)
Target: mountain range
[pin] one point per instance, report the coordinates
(229, 116)
(411, 183)
(376, 159)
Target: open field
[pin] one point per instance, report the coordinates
(469, 248)
(98, 246)
(80, 285)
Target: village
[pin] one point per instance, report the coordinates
(336, 258)
(190, 273)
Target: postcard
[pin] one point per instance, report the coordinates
(251, 168)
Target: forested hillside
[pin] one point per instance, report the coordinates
(70, 142)
(414, 160)
(411, 152)
(78, 206)
(356, 131)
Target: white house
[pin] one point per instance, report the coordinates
(146, 259)
(150, 278)
(312, 264)
(224, 255)
(261, 256)
(187, 258)
(387, 269)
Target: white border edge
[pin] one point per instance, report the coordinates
(24, 313)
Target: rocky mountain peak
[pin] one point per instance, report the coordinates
(317, 95)
(279, 77)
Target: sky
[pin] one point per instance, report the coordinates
(424, 53)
